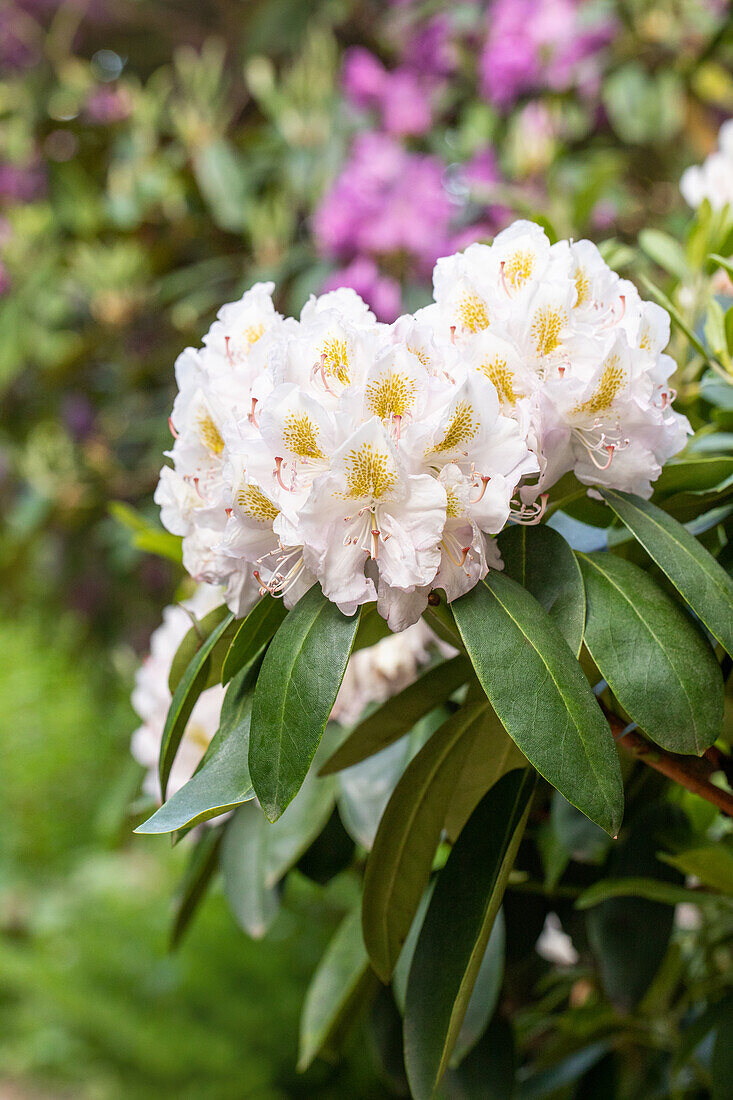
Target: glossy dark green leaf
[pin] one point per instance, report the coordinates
(546, 1082)
(541, 696)
(399, 714)
(457, 927)
(338, 986)
(541, 561)
(192, 683)
(488, 1072)
(402, 856)
(202, 866)
(692, 570)
(656, 661)
(490, 756)
(192, 642)
(253, 635)
(298, 683)
(484, 995)
(222, 780)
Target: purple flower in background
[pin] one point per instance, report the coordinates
(5, 280)
(380, 292)
(537, 44)
(386, 201)
(401, 97)
(21, 182)
(430, 50)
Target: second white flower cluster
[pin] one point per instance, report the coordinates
(379, 459)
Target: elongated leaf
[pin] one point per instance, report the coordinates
(342, 978)
(222, 780)
(296, 689)
(541, 561)
(402, 855)
(457, 927)
(485, 993)
(654, 658)
(191, 644)
(692, 570)
(490, 756)
(243, 864)
(399, 714)
(649, 888)
(184, 699)
(201, 869)
(712, 864)
(541, 696)
(676, 316)
(665, 251)
(253, 635)
(721, 1063)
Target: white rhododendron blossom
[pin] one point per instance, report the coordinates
(712, 180)
(151, 697)
(379, 460)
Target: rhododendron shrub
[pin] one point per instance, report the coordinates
(448, 567)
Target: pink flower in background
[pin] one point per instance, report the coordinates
(401, 97)
(537, 44)
(20, 183)
(107, 104)
(431, 50)
(386, 201)
(380, 292)
(5, 281)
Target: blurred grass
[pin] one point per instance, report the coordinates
(92, 1005)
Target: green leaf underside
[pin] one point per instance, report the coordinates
(402, 856)
(336, 988)
(694, 572)
(298, 683)
(541, 561)
(192, 683)
(654, 658)
(192, 642)
(253, 903)
(457, 927)
(650, 889)
(541, 696)
(222, 780)
(202, 866)
(399, 714)
(253, 635)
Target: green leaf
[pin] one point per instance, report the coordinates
(256, 854)
(541, 561)
(488, 1072)
(192, 642)
(721, 1063)
(491, 755)
(147, 536)
(541, 696)
(656, 661)
(715, 333)
(401, 859)
(650, 888)
(296, 689)
(721, 261)
(222, 780)
(399, 714)
(252, 901)
(202, 866)
(694, 572)
(192, 683)
(712, 864)
(457, 927)
(485, 993)
(253, 634)
(341, 979)
(666, 252)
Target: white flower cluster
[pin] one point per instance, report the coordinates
(373, 675)
(378, 460)
(712, 180)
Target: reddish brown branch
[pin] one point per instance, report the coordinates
(691, 772)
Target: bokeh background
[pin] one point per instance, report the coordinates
(156, 158)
